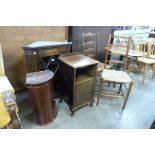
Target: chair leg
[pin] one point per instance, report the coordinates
(120, 88)
(130, 68)
(145, 73)
(100, 89)
(153, 68)
(127, 95)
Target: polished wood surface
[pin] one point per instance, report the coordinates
(45, 44)
(37, 50)
(39, 77)
(77, 73)
(78, 61)
(42, 96)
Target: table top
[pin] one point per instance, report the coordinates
(135, 53)
(45, 44)
(39, 77)
(78, 61)
(122, 51)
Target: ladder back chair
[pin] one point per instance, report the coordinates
(151, 48)
(90, 47)
(116, 76)
(90, 44)
(117, 52)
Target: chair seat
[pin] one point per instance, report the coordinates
(146, 60)
(115, 76)
(152, 57)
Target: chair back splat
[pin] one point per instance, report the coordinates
(90, 44)
(117, 51)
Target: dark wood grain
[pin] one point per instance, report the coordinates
(42, 99)
(33, 54)
(75, 35)
(78, 79)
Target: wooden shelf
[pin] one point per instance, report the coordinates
(83, 78)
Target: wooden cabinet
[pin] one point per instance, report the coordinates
(78, 80)
(40, 88)
(36, 51)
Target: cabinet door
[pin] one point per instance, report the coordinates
(84, 93)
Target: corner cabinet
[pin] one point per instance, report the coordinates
(36, 51)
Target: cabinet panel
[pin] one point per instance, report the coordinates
(84, 93)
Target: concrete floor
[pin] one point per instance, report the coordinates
(139, 111)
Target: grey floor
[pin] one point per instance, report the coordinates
(138, 114)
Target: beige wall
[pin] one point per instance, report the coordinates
(13, 38)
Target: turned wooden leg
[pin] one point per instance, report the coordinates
(145, 73)
(100, 89)
(127, 95)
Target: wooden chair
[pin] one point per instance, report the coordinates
(117, 52)
(143, 63)
(90, 48)
(115, 76)
(90, 44)
(151, 48)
